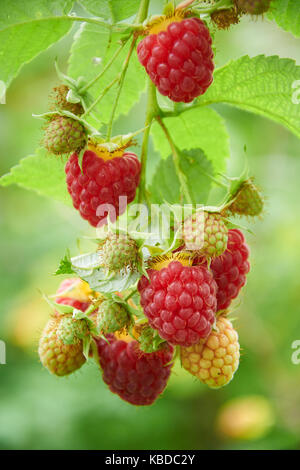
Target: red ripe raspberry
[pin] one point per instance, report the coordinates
(137, 377)
(178, 58)
(101, 183)
(180, 302)
(230, 268)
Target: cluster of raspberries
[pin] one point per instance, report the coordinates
(184, 295)
(183, 303)
(177, 55)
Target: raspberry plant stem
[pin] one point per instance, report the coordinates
(105, 90)
(176, 160)
(136, 26)
(141, 16)
(151, 112)
(120, 83)
(130, 295)
(109, 63)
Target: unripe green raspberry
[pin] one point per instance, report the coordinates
(71, 331)
(214, 360)
(59, 358)
(58, 100)
(205, 233)
(119, 251)
(223, 19)
(149, 339)
(253, 7)
(64, 135)
(247, 200)
(112, 316)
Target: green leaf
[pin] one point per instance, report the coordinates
(115, 10)
(201, 128)
(26, 29)
(43, 173)
(262, 85)
(93, 44)
(65, 266)
(286, 13)
(195, 167)
(84, 61)
(87, 267)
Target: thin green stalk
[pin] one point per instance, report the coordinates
(143, 12)
(151, 111)
(105, 90)
(109, 63)
(121, 81)
(130, 295)
(141, 16)
(176, 160)
(136, 26)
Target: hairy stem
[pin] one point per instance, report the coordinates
(121, 81)
(136, 26)
(109, 63)
(141, 16)
(104, 91)
(143, 12)
(151, 111)
(176, 160)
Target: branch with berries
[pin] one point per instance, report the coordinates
(166, 265)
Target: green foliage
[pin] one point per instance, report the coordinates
(266, 368)
(26, 29)
(65, 266)
(195, 128)
(262, 85)
(114, 10)
(87, 267)
(195, 167)
(43, 173)
(93, 42)
(286, 13)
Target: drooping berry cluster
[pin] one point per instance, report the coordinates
(103, 186)
(185, 293)
(178, 57)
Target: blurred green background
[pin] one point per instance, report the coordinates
(260, 408)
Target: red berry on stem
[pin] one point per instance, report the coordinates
(137, 377)
(106, 184)
(180, 302)
(178, 57)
